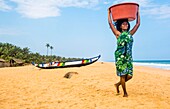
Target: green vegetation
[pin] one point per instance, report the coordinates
(9, 51)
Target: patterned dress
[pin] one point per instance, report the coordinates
(123, 54)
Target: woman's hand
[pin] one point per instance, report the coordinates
(109, 11)
(109, 18)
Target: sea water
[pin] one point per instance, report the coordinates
(163, 64)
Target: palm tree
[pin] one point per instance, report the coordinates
(51, 47)
(47, 45)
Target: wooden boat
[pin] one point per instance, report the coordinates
(78, 63)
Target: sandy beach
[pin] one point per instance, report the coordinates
(28, 87)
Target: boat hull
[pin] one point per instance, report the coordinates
(67, 64)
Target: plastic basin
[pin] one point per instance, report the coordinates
(124, 11)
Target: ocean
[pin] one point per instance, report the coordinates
(162, 64)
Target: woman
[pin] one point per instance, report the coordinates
(123, 53)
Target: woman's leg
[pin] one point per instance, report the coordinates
(117, 86)
(128, 77)
(123, 78)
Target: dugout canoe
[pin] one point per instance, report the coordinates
(78, 63)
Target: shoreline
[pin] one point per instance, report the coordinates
(165, 65)
(29, 87)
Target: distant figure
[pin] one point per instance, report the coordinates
(123, 53)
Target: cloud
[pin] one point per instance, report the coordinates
(49, 8)
(4, 6)
(151, 9)
(36, 8)
(142, 3)
(160, 12)
(106, 2)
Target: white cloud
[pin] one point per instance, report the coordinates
(106, 2)
(36, 9)
(49, 8)
(149, 8)
(160, 12)
(4, 6)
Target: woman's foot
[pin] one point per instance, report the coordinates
(125, 95)
(117, 88)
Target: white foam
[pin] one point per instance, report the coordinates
(156, 65)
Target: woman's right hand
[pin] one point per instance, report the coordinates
(109, 18)
(109, 11)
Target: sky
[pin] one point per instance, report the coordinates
(79, 28)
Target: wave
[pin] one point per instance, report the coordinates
(155, 65)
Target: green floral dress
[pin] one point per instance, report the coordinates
(123, 54)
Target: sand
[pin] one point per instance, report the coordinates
(29, 87)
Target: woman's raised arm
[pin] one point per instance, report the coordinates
(135, 28)
(114, 30)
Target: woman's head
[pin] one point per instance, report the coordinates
(122, 25)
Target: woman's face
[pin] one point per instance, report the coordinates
(124, 25)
